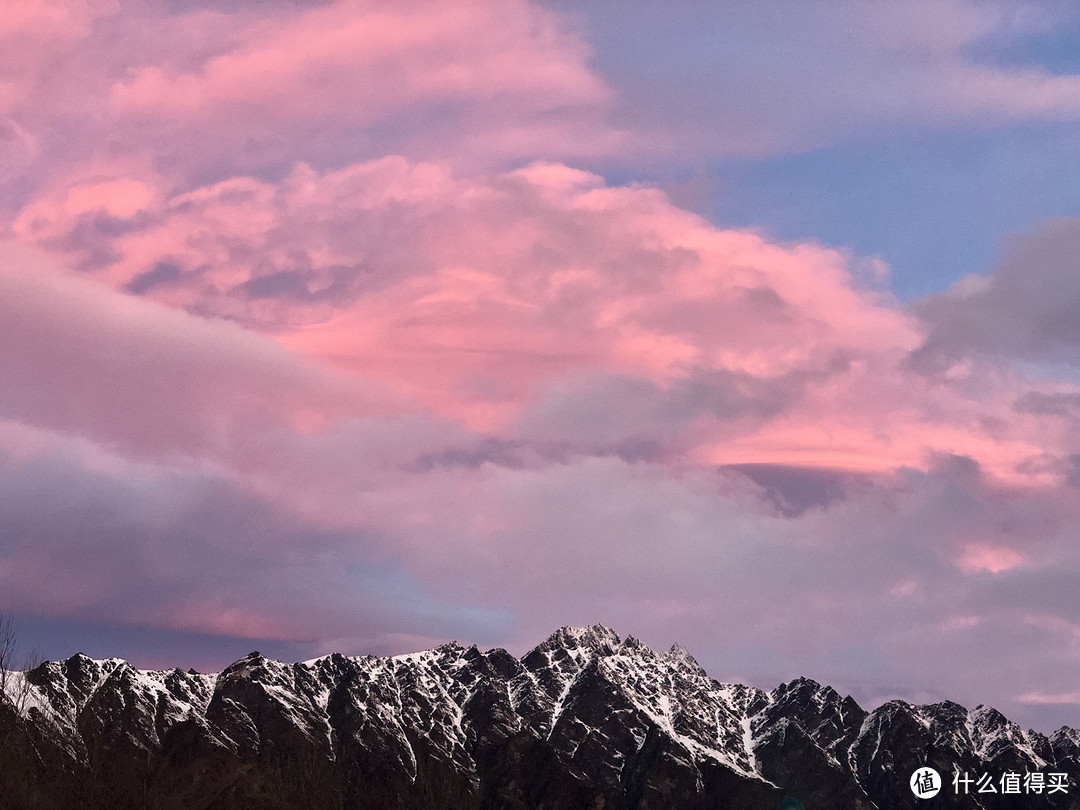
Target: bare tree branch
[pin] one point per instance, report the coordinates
(8, 649)
(14, 687)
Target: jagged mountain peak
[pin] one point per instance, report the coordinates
(596, 638)
(252, 659)
(1066, 735)
(254, 663)
(581, 644)
(680, 656)
(993, 735)
(80, 663)
(809, 695)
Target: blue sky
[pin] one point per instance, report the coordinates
(934, 207)
(934, 201)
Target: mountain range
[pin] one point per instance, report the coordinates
(587, 719)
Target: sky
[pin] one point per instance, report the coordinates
(360, 327)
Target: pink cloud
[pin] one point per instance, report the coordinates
(994, 559)
(474, 293)
(483, 81)
(1056, 698)
(202, 94)
(501, 301)
(118, 198)
(53, 15)
(364, 60)
(203, 615)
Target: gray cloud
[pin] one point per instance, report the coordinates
(793, 490)
(183, 550)
(600, 412)
(1027, 308)
(76, 356)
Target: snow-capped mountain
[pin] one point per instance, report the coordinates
(585, 720)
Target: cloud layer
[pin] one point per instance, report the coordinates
(318, 335)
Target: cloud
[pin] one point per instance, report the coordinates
(205, 92)
(184, 549)
(690, 554)
(81, 359)
(793, 490)
(995, 559)
(500, 50)
(324, 340)
(551, 308)
(518, 400)
(743, 79)
(635, 418)
(1055, 699)
(476, 292)
(1025, 309)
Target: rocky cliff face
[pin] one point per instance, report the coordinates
(585, 720)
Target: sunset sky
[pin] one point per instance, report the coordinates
(362, 326)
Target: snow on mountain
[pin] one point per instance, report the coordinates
(586, 713)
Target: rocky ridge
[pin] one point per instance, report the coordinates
(587, 719)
